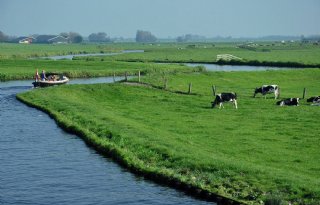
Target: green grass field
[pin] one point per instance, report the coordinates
(307, 54)
(13, 69)
(304, 54)
(258, 152)
(13, 50)
(15, 65)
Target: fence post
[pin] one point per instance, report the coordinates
(190, 88)
(304, 93)
(126, 76)
(139, 76)
(214, 90)
(114, 77)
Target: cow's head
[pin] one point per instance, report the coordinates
(311, 99)
(213, 104)
(256, 90)
(216, 101)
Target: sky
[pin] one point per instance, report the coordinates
(163, 18)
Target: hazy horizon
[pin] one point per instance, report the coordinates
(165, 18)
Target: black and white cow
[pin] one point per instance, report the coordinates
(225, 97)
(289, 101)
(267, 89)
(315, 99)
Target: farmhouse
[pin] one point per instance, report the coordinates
(58, 40)
(54, 39)
(25, 40)
(45, 39)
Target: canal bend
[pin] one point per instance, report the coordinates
(42, 164)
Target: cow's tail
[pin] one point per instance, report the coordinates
(235, 96)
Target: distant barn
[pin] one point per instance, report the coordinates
(43, 39)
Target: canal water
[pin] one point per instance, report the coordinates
(70, 57)
(41, 164)
(215, 67)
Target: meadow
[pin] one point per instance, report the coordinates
(258, 153)
(14, 62)
(18, 69)
(23, 51)
(263, 53)
(258, 52)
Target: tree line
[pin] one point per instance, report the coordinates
(99, 37)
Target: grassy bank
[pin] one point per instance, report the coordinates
(11, 69)
(258, 152)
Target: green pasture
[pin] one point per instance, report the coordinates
(255, 153)
(15, 50)
(304, 54)
(261, 52)
(13, 69)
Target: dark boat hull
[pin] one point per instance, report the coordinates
(50, 83)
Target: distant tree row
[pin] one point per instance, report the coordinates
(3, 37)
(190, 38)
(72, 36)
(145, 37)
(99, 37)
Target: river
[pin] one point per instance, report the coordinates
(41, 164)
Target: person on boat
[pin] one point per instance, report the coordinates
(37, 77)
(43, 75)
(52, 78)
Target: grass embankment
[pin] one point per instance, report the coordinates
(25, 69)
(258, 152)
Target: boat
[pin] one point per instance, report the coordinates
(51, 80)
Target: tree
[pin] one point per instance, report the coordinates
(3, 37)
(180, 39)
(99, 37)
(75, 37)
(72, 36)
(64, 34)
(190, 38)
(145, 37)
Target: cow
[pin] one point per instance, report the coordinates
(266, 89)
(289, 102)
(225, 97)
(315, 99)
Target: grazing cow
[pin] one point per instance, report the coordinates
(225, 97)
(289, 101)
(266, 89)
(315, 99)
